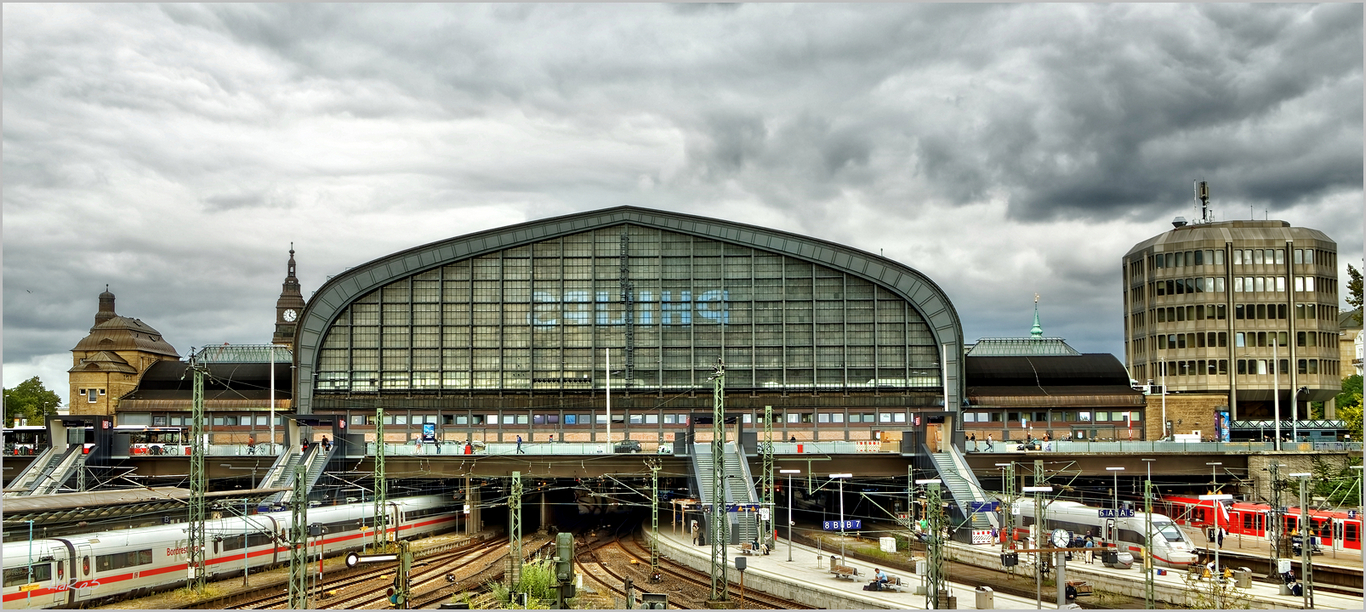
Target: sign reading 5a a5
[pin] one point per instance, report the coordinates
(848, 524)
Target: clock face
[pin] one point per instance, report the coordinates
(1060, 538)
(290, 315)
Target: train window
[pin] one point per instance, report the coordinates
(19, 575)
(1247, 521)
(85, 565)
(1353, 533)
(121, 560)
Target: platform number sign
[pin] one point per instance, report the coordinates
(1112, 513)
(848, 525)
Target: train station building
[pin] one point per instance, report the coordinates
(528, 330)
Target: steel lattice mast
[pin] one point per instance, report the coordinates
(938, 582)
(654, 519)
(198, 482)
(298, 540)
(719, 521)
(514, 571)
(381, 485)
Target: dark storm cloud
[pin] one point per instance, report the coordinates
(174, 151)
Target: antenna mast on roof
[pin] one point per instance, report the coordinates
(1202, 196)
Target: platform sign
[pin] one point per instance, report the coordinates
(742, 507)
(1112, 513)
(1351, 514)
(977, 506)
(848, 525)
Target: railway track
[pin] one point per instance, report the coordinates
(340, 589)
(610, 560)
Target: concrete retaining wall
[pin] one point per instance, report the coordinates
(1131, 585)
(814, 595)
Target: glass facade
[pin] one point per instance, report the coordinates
(666, 305)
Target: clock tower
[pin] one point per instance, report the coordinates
(289, 307)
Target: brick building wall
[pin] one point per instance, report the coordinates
(1188, 413)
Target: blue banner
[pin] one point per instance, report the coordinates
(848, 525)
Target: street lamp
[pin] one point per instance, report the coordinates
(1116, 471)
(1215, 578)
(841, 478)
(1306, 542)
(789, 510)
(1214, 474)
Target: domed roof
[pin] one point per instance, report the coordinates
(115, 333)
(125, 334)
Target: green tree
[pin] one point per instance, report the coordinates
(1348, 403)
(1354, 290)
(1339, 484)
(31, 400)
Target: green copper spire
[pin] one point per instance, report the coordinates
(1037, 330)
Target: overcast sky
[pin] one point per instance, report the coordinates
(175, 151)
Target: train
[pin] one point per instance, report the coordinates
(1334, 528)
(1171, 546)
(75, 570)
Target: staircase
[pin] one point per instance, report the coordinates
(315, 461)
(318, 464)
(47, 472)
(282, 474)
(739, 487)
(962, 484)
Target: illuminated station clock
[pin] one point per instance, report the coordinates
(1061, 538)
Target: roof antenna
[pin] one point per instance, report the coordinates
(1202, 196)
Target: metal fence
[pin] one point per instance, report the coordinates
(1087, 447)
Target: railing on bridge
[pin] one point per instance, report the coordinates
(1086, 447)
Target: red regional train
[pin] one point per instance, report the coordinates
(1334, 528)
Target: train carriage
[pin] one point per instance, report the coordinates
(1334, 528)
(1171, 546)
(79, 569)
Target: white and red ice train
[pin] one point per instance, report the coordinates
(70, 571)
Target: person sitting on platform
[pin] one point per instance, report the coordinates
(879, 579)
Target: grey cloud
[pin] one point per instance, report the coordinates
(358, 130)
